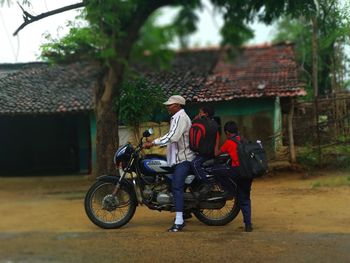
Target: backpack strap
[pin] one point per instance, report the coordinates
(235, 140)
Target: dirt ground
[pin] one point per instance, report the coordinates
(296, 217)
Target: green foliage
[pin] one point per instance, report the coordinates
(337, 181)
(316, 184)
(236, 33)
(333, 36)
(336, 156)
(139, 101)
(308, 157)
(298, 31)
(81, 43)
(347, 84)
(238, 13)
(185, 24)
(152, 48)
(294, 8)
(109, 21)
(110, 15)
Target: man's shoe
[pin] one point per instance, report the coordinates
(176, 228)
(248, 228)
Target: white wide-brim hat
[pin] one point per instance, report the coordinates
(175, 99)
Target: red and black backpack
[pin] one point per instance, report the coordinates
(203, 135)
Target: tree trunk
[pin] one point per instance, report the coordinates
(107, 138)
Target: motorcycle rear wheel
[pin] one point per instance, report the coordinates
(222, 216)
(107, 211)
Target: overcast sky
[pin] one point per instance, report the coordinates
(25, 46)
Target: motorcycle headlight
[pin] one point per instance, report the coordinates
(123, 155)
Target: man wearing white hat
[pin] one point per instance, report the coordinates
(178, 153)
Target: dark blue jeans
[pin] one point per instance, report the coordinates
(243, 189)
(178, 182)
(197, 168)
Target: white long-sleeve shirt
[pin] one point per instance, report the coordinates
(177, 139)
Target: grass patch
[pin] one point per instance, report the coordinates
(316, 184)
(337, 181)
(335, 157)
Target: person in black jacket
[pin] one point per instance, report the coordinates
(207, 148)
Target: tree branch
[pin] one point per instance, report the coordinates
(28, 18)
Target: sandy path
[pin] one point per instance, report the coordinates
(43, 220)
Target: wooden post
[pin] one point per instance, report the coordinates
(315, 81)
(292, 153)
(318, 135)
(314, 57)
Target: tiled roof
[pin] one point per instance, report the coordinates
(41, 88)
(6, 69)
(260, 71)
(187, 75)
(199, 75)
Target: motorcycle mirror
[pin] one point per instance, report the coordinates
(148, 132)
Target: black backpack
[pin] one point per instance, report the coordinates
(203, 133)
(252, 158)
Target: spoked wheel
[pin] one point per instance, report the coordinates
(106, 210)
(226, 211)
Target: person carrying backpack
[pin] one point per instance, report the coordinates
(244, 183)
(204, 141)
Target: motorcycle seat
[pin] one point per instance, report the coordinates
(208, 163)
(220, 159)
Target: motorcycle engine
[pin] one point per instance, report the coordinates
(164, 198)
(158, 194)
(148, 193)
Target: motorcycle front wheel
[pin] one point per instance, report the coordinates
(222, 215)
(108, 211)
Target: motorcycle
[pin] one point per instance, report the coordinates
(146, 180)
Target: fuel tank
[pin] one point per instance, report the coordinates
(153, 164)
